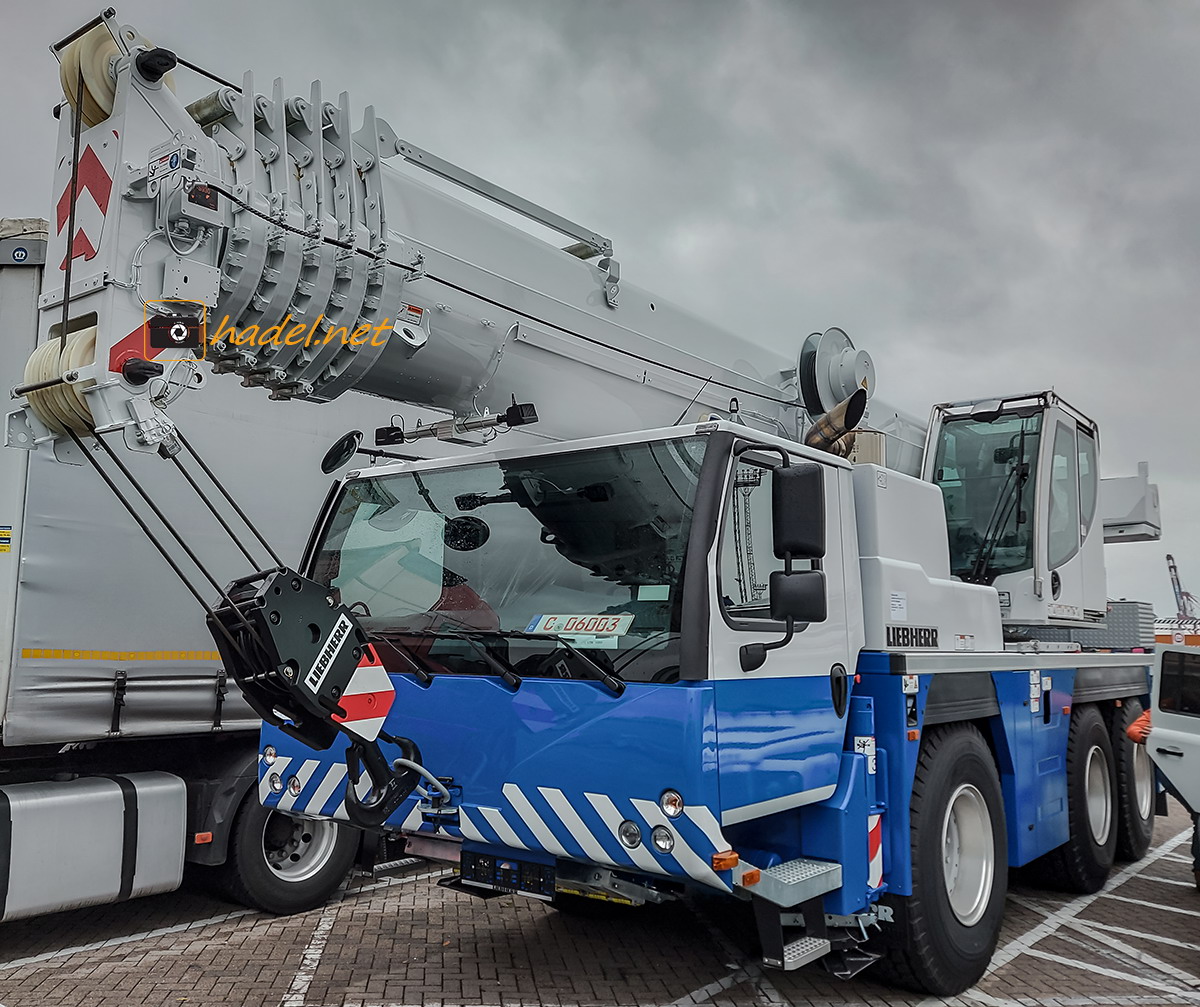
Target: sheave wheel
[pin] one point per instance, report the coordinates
(945, 932)
(1082, 863)
(285, 865)
(1135, 786)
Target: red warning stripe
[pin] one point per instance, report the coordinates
(875, 840)
(94, 179)
(82, 245)
(365, 706)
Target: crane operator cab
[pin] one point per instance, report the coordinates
(1020, 479)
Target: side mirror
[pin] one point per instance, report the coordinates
(798, 532)
(341, 452)
(798, 511)
(798, 596)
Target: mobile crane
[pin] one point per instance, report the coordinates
(553, 664)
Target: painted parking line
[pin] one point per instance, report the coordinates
(1156, 938)
(1018, 945)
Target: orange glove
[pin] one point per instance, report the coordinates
(1139, 730)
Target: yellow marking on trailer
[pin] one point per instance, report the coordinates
(56, 654)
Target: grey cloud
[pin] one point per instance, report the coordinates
(990, 196)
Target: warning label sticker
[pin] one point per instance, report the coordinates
(5, 538)
(164, 165)
(410, 313)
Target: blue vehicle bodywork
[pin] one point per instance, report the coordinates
(549, 770)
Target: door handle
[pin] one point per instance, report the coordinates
(1169, 751)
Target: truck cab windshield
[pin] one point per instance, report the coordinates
(566, 565)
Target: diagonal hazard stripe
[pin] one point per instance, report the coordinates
(94, 179)
(82, 245)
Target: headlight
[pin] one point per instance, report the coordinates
(269, 755)
(630, 834)
(295, 786)
(662, 839)
(671, 803)
(276, 784)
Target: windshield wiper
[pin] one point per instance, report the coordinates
(502, 668)
(418, 665)
(610, 680)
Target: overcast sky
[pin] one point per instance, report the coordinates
(990, 197)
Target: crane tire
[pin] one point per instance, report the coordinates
(1082, 863)
(285, 865)
(943, 935)
(1135, 785)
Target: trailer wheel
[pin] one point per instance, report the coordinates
(285, 865)
(1135, 786)
(1082, 863)
(943, 935)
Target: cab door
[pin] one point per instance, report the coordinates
(1174, 741)
(780, 726)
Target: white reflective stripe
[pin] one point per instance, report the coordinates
(688, 860)
(612, 818)
(412, 821)
(731, 816)
(703, 818)
(468, 827)
(337, 773)
(368, 730)
(304, 775)
(502, 829)
(541, 832)
(580, 832)
(264, 785)
(363, 788)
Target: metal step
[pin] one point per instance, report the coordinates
(798, 881)
(800, 952)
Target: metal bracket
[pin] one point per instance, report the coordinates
(612, 281)
(221, 692)
(120, 684)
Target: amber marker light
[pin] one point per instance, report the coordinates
(726, 861)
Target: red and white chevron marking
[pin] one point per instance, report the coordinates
(94, 191)
(875, 851)
(368, 697)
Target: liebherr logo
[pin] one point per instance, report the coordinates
(904, 637)
(333, 644)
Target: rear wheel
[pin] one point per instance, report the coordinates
(945, 932)
(285, 865)
(1082, 863)
(1135, 785)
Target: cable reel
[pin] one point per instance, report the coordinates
(831, 370)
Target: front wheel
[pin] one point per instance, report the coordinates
(943, 935)
(285, 865)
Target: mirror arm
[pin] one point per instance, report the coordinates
(752, 655)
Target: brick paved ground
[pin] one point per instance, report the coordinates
(402, 940)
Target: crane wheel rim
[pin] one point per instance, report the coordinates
(968, 854)
(1098, 790)
(296, 849)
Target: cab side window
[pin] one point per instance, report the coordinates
(747, 556)
(1064, 498)
(1180, 688)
